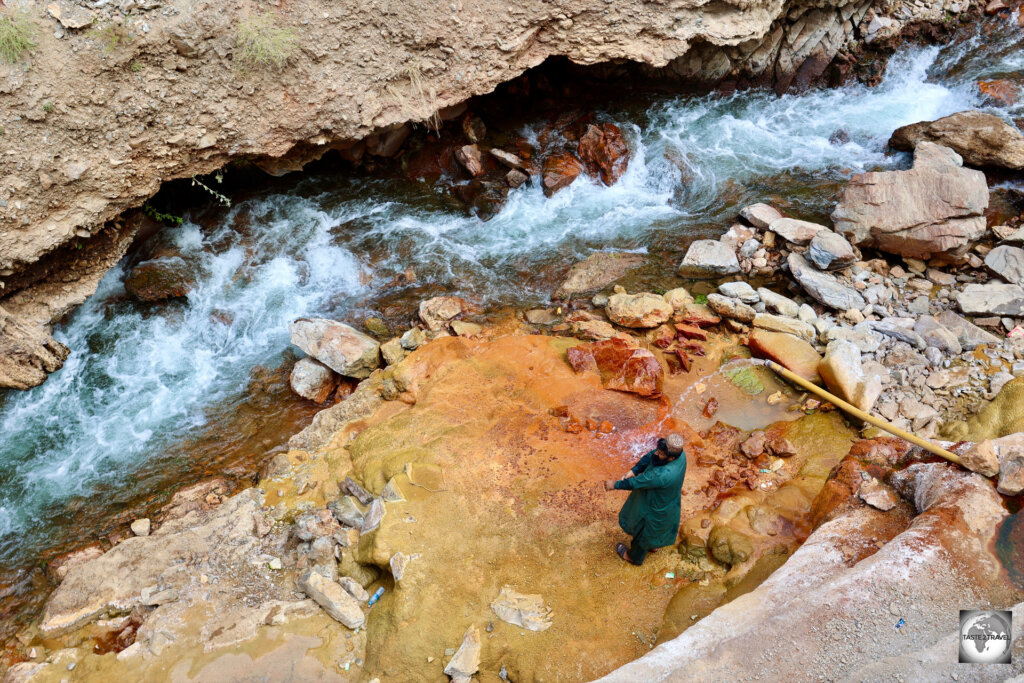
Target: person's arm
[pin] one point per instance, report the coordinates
(643, 463)
(651, 479)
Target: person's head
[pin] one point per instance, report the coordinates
(671, 447)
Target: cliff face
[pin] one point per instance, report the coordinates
(95, 118)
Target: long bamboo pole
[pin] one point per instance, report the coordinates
(858, 413)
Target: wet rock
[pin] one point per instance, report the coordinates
(27, 353)
(981, 139)
(597, 271)
(788, 351)
(731, 308)
(526, 611)
(707, 259)
(141, 527)
(159, 279)
(991, 299)
(824, 287)
(937, 207)
(470, 158)
(936, 335)
(604, 152)
(877, 495)
(466, 329)
(1000, 91)
(559, 171)
(830, 251)
(598, 330)
(739, 290)
(438, 311)
(515, 178)
(1011, 471)
(844, 375)
(967, 333)
(782, 305)
(795, 231)
(644, 310)
(622, 367)
(778, 323)
(760, 215)
(466, 661)
(482, 198)
(678, 298)
(340, 347)
(981, 458)
(312, 379)
(392, 351)
(755, 443)
(728, 546)
(58, 567)
(1007, 262)
(508, 159)
(334, 599)
(700, 315)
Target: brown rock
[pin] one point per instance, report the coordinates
(1000, 90)
(754, 445)
(597, 271)
(27, 353)
(700, 315)
(790, 352)
(644, 310)
(436, 312)
(515, 178)
(508, 159)
(981, 458)
(469, 157)
(162, 278)
(559, 171)
(622, 367)
(312, 379)
(981, 139)
(1011, 471)
(937, 207)
(604, 152)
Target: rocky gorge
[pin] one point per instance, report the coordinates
(451, 439)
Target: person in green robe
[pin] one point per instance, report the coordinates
(651, 513)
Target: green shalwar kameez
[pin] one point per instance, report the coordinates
(651, 513)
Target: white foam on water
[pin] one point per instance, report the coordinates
(140, 377)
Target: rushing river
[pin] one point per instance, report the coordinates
(140, 397)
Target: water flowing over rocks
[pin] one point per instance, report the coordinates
(935, 208)
(980, 139)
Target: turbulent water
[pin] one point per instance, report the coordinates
(142, 379)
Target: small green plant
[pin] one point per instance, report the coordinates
(700, 299)
(112, 36)
(135, 67)
(48, 107)
(260, 43)
(216, 195)
(17, 34)
(169, 218)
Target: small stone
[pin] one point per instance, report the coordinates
(353, 588)
(1011, 471)
(1007, 262)
(347, 513)
(782, 305)
(141, 527)
(337, 602)
(469, 157)
(678, 298)
(731, 308)
(992, 299)
(760, 215)
(778, 323)
(516, 178)
(795, 231)
(436, 312)
(413, 339)
(981, 458)
(518, 609)
(707, 259)
(340, 347)
(398, 563)
(466, 329)
(312, 379)
(739, 290)
(877, 495)
(392, 351)
(830, 250)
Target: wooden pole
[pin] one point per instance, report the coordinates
(858, 413)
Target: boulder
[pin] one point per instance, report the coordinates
(845, 377)
(334, 599)
(830, 251)
(981, 458)
(991, 299)
(739, 290)
(936, 335)
(1011, 471)
(795, 231)
(597, 271)
(604, 152)
(788, 351)
(622, 367)
(935, 208)
(981, 139)
(27, 352)
(706, 259)
(158, 279)
(559, 171)
(644, 310)
(470, 158)
(967, 333)
(312, 379)
(1007, 262)
(438, 311)
(824, 287)
(784, 325)
(760, 215)
(340, 347)
(782, 305)
(731, 308)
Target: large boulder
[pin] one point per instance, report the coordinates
(824, 287)
(992, 299)
(981, 139)
(706, 259)
(937, 207)
(788, 351)
(845, 377)
(340, 347)
(1007, 262)
(644, 310)
(604, 152)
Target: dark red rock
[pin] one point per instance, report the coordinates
(691, 332)
(711, 407)
(604, 152)
(159, 279)
(559, 171)
(622, 367)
